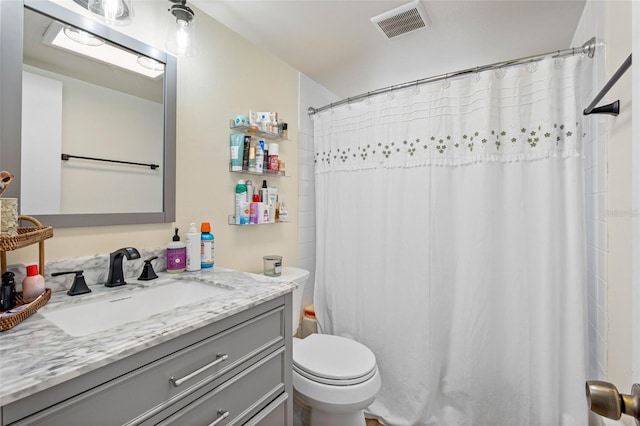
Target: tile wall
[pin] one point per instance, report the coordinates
(312, 94)
(592, 24)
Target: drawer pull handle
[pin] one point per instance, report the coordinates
(221, 416)
(219, 358)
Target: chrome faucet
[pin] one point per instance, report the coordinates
(116, 276)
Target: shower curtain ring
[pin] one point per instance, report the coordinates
(391, 95)
(446, 83)
(476, 75)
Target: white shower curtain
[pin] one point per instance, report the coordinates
(450, 241)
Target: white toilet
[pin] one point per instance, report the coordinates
(336, 377)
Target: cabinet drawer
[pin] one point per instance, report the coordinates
(148, 389)
(275, 414)
(238, 399)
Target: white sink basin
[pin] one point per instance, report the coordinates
(110, 311)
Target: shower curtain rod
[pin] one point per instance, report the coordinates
(589, 48)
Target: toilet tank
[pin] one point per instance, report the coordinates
(300, 276)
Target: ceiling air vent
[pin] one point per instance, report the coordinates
(402, 20)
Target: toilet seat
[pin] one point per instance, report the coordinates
(333, 360)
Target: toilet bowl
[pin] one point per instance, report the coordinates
(336, 377)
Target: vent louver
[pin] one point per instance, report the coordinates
(402, 20)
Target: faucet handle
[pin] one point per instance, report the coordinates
(147, 272)
(79, 284)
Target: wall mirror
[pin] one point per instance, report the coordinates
(92, 141)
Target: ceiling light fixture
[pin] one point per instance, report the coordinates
(113, 12)
(180, 39)
(71, 39)
(82, 37)
(150, 63)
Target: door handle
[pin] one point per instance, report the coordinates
(604, 399)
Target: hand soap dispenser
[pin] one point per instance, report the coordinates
(176, 255)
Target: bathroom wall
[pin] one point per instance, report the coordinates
(592, 25)
(82, 189)
(228, 77)
(609, 202)
(620, 215)
(311, 95)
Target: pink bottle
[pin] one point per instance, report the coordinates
(32, 285)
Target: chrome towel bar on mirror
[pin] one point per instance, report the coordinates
(604, 399)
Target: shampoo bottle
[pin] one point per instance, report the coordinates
(176, 255)
(193, 248)
(260, 156)
(206, 245)
(32, 285)
(273, 157)
(241, 200)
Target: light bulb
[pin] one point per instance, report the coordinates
(114, 12)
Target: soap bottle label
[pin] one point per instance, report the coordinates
(176, 258)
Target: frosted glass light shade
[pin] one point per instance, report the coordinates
(180, 39)
(112, 12)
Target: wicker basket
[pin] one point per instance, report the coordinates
(26, 235)
(11, 320)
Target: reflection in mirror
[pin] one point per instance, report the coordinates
(86, 97)
(93, 140)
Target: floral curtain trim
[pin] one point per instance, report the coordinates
(526, 143)
(523, 114)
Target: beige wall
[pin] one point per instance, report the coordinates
(618, 28)
(228, 77)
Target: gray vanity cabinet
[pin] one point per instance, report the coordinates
(234, 371)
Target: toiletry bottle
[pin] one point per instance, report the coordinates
(250, 190)
(241, 198)
(32, 285)
(284, 214)
(285, 130)
(273, 157)
(264, 191)
(260, 156)
(206, 245)
(252, 158)
(7, 291)
(193, 248)
(265, 154)
(176, 255)
(236, 141)
(245, 152)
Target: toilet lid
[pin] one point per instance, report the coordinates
(333, 360)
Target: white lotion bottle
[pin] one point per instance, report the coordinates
(192, 239)
(32, 285)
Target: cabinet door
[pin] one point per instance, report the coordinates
(238, 399)
(147, 391)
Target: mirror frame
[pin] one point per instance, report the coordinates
(11, 57)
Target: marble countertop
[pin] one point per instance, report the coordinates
(36, 354)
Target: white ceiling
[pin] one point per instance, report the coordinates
(335, 44)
